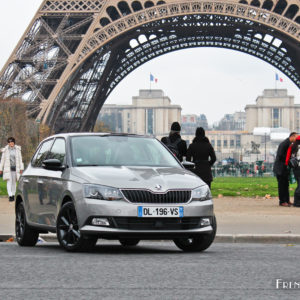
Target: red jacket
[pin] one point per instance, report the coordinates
(289, 151)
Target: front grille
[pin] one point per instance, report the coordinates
(134, 223)
(144, 196)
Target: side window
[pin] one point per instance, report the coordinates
(42, 153)
(58, 150)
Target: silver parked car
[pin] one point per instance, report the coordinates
(86, 186)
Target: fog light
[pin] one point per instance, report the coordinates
(205, 222)
(100, 222)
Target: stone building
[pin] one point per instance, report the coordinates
(237, 136)
(239, 144)
(274, 109)
(189, 123)
(235, 121)
(151, 112)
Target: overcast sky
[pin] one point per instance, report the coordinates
(208, 81)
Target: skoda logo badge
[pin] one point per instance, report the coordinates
(158, 187)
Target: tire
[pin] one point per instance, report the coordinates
(68, 233)
(25, 235)
(200, 243)
(129, 242)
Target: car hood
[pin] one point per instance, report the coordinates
(139, 177)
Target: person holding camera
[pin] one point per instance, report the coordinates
(281, 171)
(11, 166)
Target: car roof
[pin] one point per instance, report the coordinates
(65, 135)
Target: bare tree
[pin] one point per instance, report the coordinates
(14, 122)
(101, 127)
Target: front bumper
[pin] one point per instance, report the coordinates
(106, 232)
(124, 220)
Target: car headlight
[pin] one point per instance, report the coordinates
(101, 192)
(201, 193)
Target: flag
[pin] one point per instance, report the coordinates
(152, 78)
(279, 78)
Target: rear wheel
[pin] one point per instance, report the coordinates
(25, 235)
(200, 243)
(129, 242)
(68, 233)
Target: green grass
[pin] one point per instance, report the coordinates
(229, 186)
(247, 187)
(2, 187)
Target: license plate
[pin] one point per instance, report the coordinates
(154, 211)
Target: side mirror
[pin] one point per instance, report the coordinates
(53, 164)
(188, 165)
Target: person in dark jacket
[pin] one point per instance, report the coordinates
(293, 160)
(174, 141)
(281, 171)
(202, 153)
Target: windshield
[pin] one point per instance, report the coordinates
(120, 151)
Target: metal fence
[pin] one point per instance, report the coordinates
(256, 169)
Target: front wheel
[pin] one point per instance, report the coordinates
(25, 235)
(129, 242)
(68, 233)
(200, 243)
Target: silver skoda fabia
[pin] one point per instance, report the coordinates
(86, 186)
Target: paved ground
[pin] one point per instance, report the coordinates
(149, 271)
(234, 216)
(256, 216)
(7, 216)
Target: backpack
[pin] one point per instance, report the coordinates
(174, 146)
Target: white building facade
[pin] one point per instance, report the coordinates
(274, 109)
(151, 112)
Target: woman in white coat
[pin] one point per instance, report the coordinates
(11, 166)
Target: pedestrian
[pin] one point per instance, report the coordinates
(11, 166)
(174, 141)
(281, 171)
(202, 153)
(293, 161)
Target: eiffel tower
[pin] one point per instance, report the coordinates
(75, 52)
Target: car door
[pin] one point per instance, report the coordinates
(33, 186)
(53, 182)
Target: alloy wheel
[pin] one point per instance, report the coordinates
(67, 226)
(20, 222)
(25, 235)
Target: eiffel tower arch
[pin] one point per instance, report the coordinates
(75, 52)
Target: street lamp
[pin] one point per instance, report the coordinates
(263, 131)
(265, 146)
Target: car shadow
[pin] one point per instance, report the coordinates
(139, 249)
(115, 249)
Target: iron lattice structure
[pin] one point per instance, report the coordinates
(75, 52)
